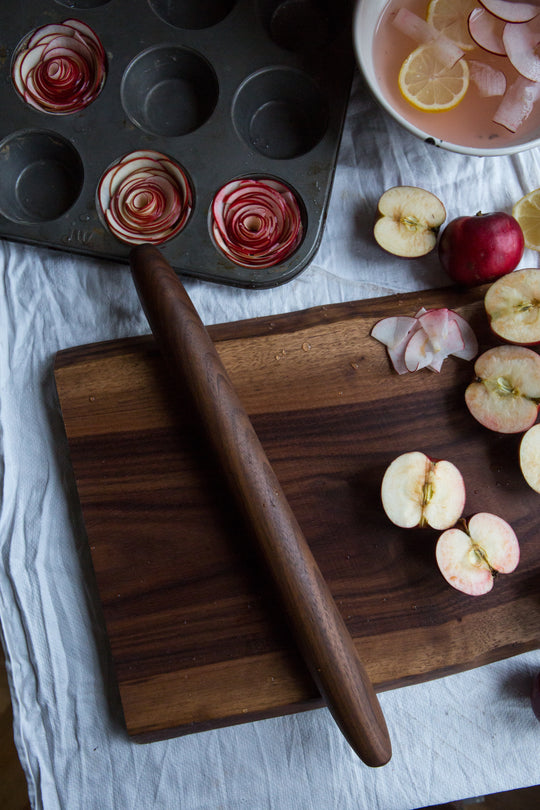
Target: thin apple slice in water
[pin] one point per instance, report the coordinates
(517, 103)
(521, 41)
(469, 558)
(487, 31)
(511, 11)
(420, 31)
(488, 80)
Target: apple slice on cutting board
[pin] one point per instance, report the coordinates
(505, 394)
(469, 558)
(419, 491)
(529, 457)
(512, 304)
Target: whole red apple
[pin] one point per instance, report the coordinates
(481, 248)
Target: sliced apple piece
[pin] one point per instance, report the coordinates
(426, 340)
(408, 221)
(512, 304)
(521, 42)
(487, 31)
(511, 11)
(419, 491)
(469, 558)
(529, 457)
(488, 80)
(505, 394)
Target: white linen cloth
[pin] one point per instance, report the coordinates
(460, 736)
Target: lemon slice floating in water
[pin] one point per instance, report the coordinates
(429, 84)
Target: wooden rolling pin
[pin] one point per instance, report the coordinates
(317, 625)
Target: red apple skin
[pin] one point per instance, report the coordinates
(480, 248)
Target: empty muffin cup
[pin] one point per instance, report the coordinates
(41, 176)
(299, 25)
(280, 112)
(82, 3)
(169, 90)
(191, 14)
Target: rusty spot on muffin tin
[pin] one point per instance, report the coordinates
(227, 88)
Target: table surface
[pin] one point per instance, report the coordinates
(467, 734)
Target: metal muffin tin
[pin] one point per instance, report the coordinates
(227, 88)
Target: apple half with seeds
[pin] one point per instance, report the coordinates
(418, 491)
(529, 457)
(408, 221)
(470, 557)
(512, 304)
(505, 394)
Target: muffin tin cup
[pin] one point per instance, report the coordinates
(252, 88)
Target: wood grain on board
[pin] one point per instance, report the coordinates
(197, 638)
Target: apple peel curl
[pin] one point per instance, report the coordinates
(426, 340)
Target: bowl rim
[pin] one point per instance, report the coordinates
(364, 64)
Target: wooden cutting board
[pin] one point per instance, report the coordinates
(196, 637)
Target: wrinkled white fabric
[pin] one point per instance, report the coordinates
(460, 736)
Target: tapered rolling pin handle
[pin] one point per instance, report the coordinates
(318, 627)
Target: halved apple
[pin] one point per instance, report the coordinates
(529, 457)
(470, 557)
(408, 221)
(419, 491)
(505, 394)
(512, 304)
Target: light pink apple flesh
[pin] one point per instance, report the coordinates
(419, 491)
(505, 394)
(408, 221)
(512, 304)
(470, 557)
(529, 457)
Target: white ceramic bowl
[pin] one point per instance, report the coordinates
(366, 16)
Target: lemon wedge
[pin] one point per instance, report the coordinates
(527, 213)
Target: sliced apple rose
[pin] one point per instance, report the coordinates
(60, 68)
(145, 197)
(256, 222)
(470, 558)
(512, 304)
(419, 491)
(505, 395)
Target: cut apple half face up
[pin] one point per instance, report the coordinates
(419, 491)
(512, 304)
(529, 457)
(470, 557)
(408, 221)
(505, 394)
